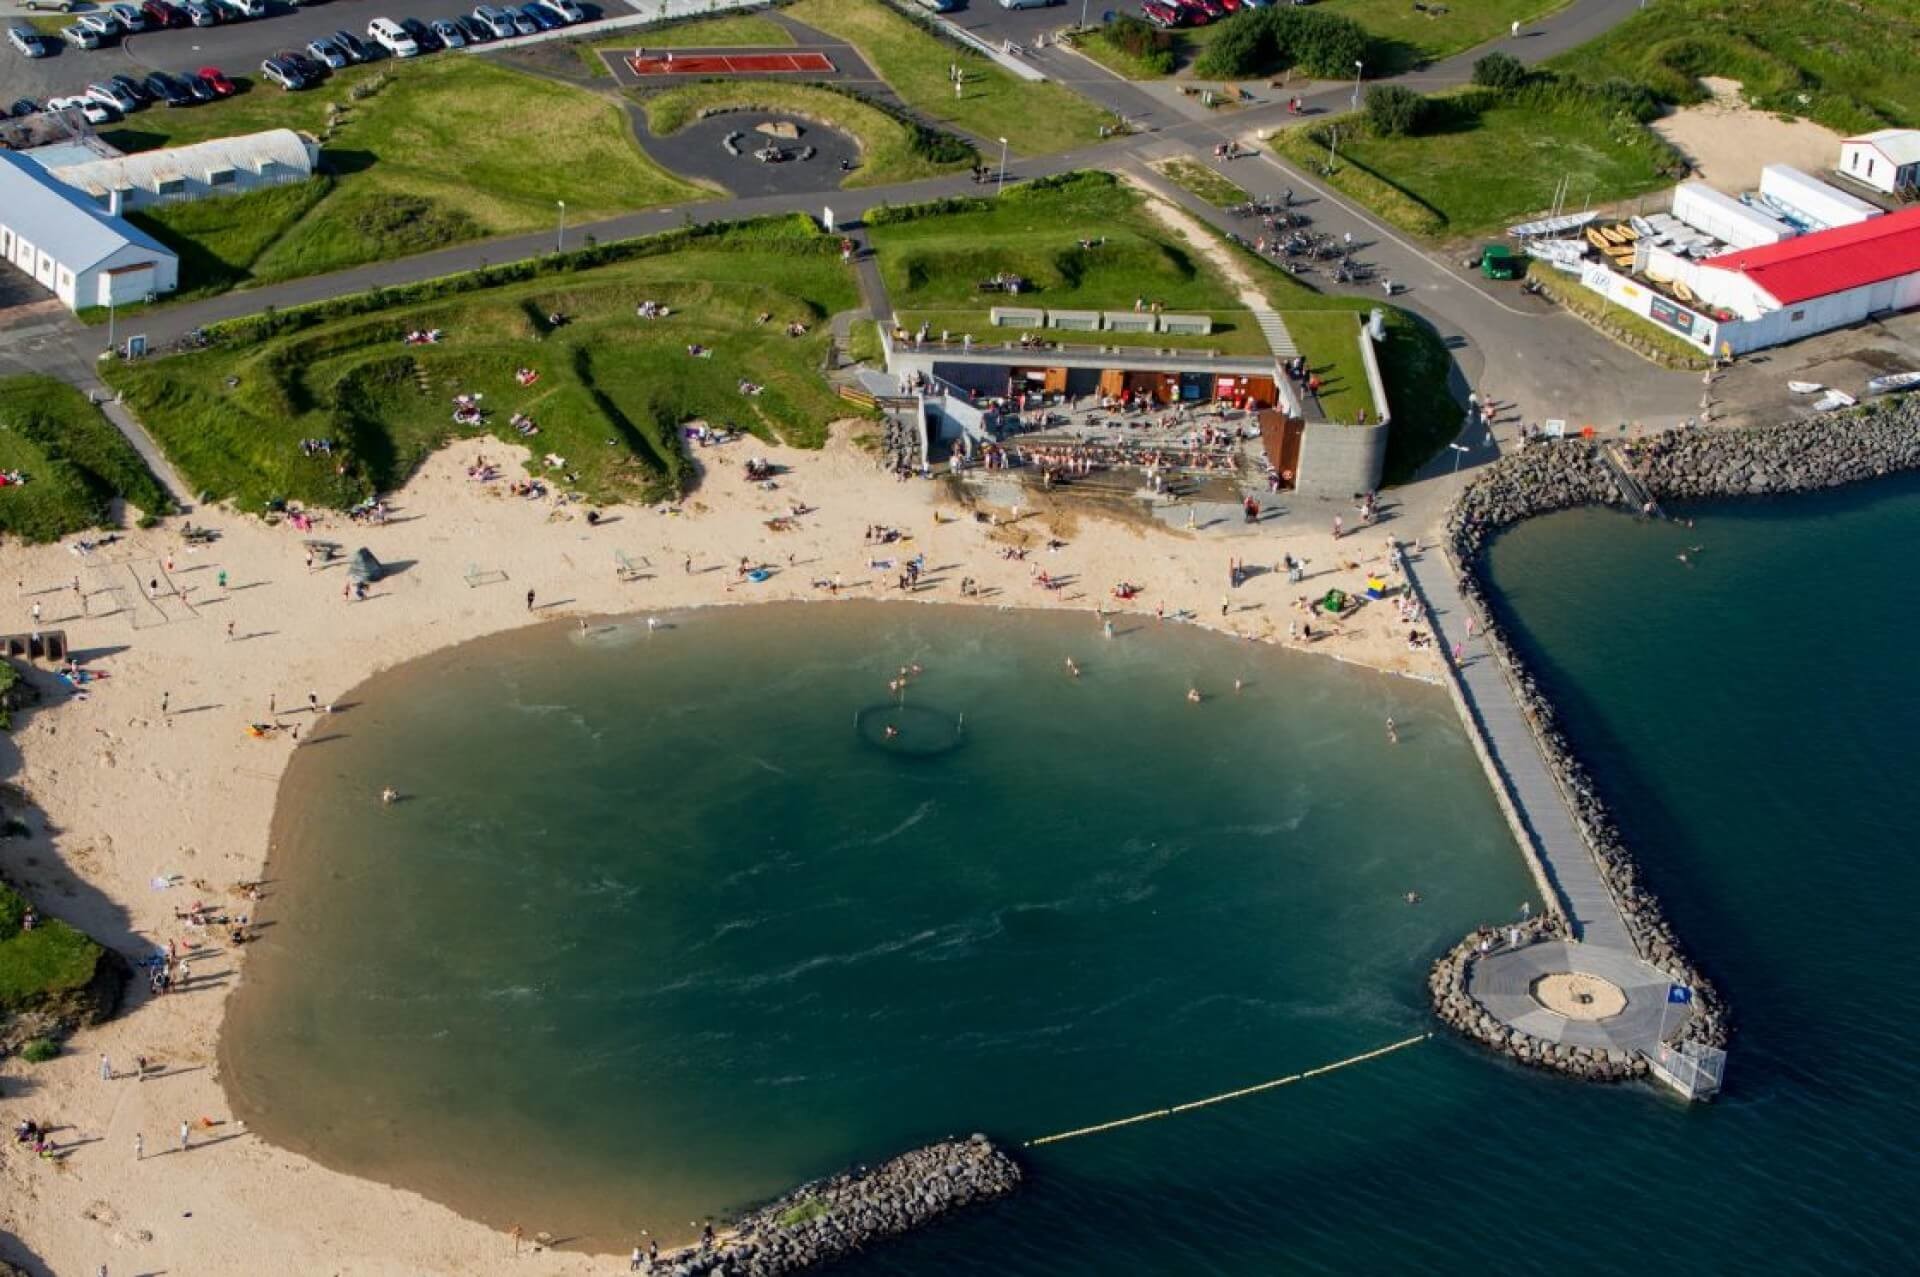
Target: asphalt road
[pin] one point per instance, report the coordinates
(237, 48)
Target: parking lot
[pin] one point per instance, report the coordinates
(987, 20)
(235, 47)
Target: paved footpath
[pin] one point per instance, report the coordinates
(1522, 771)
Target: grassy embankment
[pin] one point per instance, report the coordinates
(75, 462)
(1487, 159)
(722, 31)
(419, 155)
(52, 971)
(1848, 64)
(891, 149)
(613, 389)
(1035, 118)
(933, 264)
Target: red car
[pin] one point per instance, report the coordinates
(1212, 8)
(222, 87)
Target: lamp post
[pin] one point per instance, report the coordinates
(1002, 190)
(1083, 13)
(1357, 69)
(1333, 136)
(560, 231)
(1459, 450)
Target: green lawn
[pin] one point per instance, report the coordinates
(1034, 230)
(1234, 332)
(74, 460)
(50, 960)
(1413, 35)
(1482, 169)
(1197, 179)
(722, 31)
(1330, 341)
(887, 145)
(1036, 119)
(612, 393)
(1849, 64)
(438, 152)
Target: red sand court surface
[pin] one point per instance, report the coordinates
(728, 63)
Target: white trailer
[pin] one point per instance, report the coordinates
(1726, 218)
(1808, 199)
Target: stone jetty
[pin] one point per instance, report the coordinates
(829, 1218)
(1497, 985)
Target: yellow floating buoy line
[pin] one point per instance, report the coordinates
(1223, 1097)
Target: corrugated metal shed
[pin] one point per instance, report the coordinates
(250, 152)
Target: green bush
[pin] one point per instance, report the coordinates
(1499, 71)
(1257, 41)
(1394, 110)
(40, 1050)
(1142, 41)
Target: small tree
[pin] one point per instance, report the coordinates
(1395, 111)
(1499, 71)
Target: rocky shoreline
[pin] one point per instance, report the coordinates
(1880, 439)
(824, 1220)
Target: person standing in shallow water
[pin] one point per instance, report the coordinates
(529, 600)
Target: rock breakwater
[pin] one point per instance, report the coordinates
(824, 1220)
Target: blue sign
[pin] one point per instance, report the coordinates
(1679, 994)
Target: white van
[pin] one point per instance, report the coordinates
(392, 37)
(244, 8)
(1025, 4)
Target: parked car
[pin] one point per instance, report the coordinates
(285, 72)
(325, 50)
(101, 23)
(541, 17)
(496, 20)
(92, 110)
(240, 10)
(133, 87)
(57, 6)
(114, 96)
(522, 24)
(392, 37)
(351, 46)
(129, 17)
(25, 106)
(1163, 14)
(217, 81)
(30, 43)
(201, 90)
(161, 15)
(202, 13)
(448, 34)
(311, 67)
(1212, 8)
(169, 89)
(1025, 4)
(566, 10)
(81, 37)
(476, 31)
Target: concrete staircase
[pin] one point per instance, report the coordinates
(1274, 329)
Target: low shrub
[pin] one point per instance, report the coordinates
(1141, 41)
(1257, 41)
(1499, 71)
(1393, 110)
(40, 1050)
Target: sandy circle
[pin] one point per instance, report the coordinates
(1579, 996)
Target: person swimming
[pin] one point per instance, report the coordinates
(1193, 696)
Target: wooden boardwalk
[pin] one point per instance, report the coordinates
(1512, 755)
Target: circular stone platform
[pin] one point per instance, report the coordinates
(700, 150)
(1579, 996)
(1536, 989)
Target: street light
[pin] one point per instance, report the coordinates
(1357, 69)
(1459, 450)
(1083, 14)
(1003, 168)
(560, 231)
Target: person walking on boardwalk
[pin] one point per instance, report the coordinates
(529, 600)
(186, 1133)
(139, 1147)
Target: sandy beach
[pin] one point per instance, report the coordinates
(125, 796)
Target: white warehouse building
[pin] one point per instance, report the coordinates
(222, 166)
(61, 238)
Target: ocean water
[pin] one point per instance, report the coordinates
(662, 933)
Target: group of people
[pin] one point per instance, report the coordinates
(316, 447)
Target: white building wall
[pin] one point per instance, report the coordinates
(1822, 314)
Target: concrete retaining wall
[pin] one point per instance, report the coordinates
(1338, 461)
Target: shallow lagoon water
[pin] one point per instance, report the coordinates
(741, 947)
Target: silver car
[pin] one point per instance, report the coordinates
(114, 96)
(130, 18)
(202, 13)
(81, 37)
(496, 20)
(29, 42)
(325, 50)
(450, 35)
(101, 23)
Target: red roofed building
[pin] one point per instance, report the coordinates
(1813, 283)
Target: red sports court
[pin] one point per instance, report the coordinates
(728, 63)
